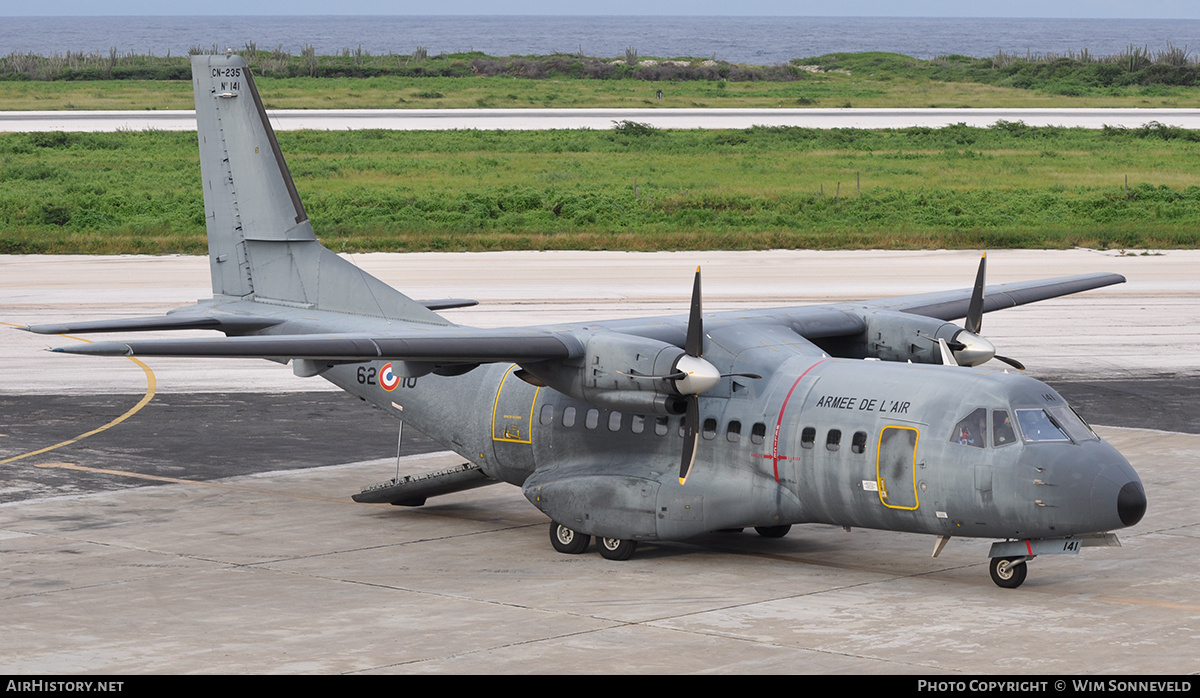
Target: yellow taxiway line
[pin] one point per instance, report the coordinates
(151, 386)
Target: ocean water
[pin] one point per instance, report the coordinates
(756, 40)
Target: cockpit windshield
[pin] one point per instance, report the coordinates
(1057, 423)
(1070, 420)
(1037, 425)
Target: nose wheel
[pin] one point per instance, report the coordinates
(1008, 572)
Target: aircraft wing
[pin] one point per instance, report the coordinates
(951, 305)
(457, 345)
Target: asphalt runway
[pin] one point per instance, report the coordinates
(211, 531)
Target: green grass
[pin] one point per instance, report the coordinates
(634, 188)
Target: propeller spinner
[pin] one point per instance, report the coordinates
(968, 346)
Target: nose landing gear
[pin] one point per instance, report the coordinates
(1008, 572)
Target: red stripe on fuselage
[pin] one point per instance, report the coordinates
(778, 424)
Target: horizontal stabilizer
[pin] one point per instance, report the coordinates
(454, 345)
(233, 324)
(230, 324)
(448, 303)
(413, 490)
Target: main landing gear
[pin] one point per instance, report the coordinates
(773, 531)
(566, 540)
(572, 542)
(616, 549)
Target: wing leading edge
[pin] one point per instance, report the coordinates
(951, 305)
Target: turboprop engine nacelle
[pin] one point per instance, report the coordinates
(896, 336)
(629, 373)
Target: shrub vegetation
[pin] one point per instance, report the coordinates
(634, 187)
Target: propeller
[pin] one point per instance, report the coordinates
(693, 348)
(969, 347)
(692, 375)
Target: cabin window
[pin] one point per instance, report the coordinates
(859, 444)
(971, 430)
(709, 430)
(569, 417)
(547, 416)
(808, 437)
(592, 419)
(733, 433)
(1003, 433)
(614, 421)
(660, 425)
(834, 440)
(638, 424)
(758, 433)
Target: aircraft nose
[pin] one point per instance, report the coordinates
(1118, 490)
(1131, 503)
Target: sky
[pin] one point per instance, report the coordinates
(1146, 9)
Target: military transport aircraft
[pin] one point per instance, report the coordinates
(873, 414)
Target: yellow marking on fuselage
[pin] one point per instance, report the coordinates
(496, 406)
(879, 479)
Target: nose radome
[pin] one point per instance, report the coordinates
(1131, 503)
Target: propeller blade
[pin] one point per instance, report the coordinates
(678, 375)
(1011, 362)
(694, 345)
(681, 375)
(947, 355)
(975, 310)
(691, 437)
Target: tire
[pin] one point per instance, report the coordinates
(616, 549)
(773, 531)
(566, 540)
(1005, 574)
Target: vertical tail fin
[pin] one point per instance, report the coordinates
(261, 246)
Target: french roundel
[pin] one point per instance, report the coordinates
(387, 379)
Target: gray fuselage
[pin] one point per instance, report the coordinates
(839, 441)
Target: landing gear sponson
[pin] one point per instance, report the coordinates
(572, 542)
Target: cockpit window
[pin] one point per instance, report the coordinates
(1003, 433)
(1038, 425)
(972, 430)
(1072, 423)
